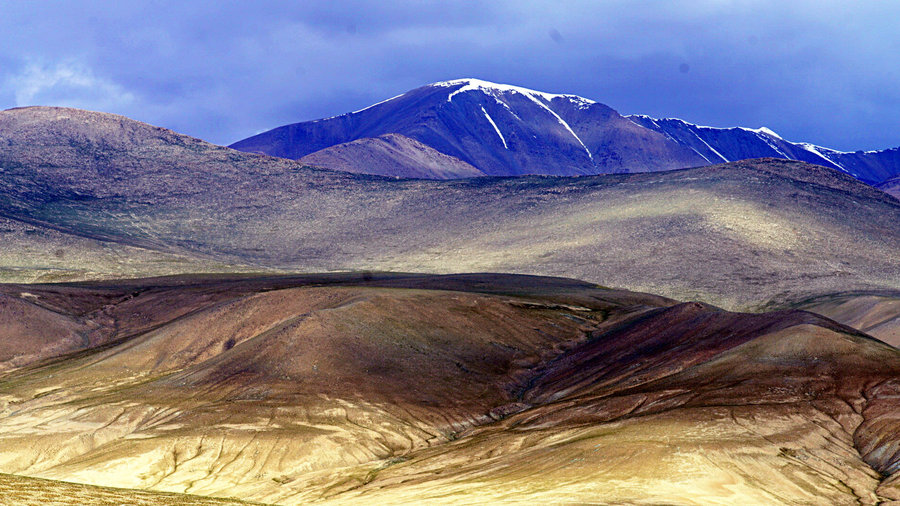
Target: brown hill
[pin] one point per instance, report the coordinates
(460, 389)
(877, 314)
(738, 235)
(391, 155)
(772, 415)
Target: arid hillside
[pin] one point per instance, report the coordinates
(446, 389)
(875, 313)
(101, 196)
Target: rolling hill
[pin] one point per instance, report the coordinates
(741, 235)
(875, 313)
(449, 389)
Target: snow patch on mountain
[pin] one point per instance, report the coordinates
(766, 138)
(491, 121)
(563, 123)
(492, 89)
(762, 130)
(538, 97)
(822, 153)
(720, 155)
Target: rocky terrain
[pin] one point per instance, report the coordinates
(509, 130)
(449, 389)
(105, 196)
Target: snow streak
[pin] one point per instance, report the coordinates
(812, 148)
(710, 147)
(563, 123)
(535, 96)
(488, 116)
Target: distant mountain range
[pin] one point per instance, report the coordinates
(504, 130)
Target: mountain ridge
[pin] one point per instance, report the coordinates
(510, 130)
(763, 142)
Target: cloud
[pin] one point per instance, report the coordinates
(821, 71)
(66, 83)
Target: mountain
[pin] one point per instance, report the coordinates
(718, 145)
(486, 388)
(508, 130)
(499, 129)
(439, 381)
(148, 201)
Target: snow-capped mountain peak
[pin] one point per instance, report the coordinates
(494, 89)
(762, 130)
(502, 129)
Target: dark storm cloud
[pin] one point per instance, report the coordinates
(823, 72)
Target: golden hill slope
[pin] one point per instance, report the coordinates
(453, 389)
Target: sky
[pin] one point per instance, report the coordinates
(817, 71)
